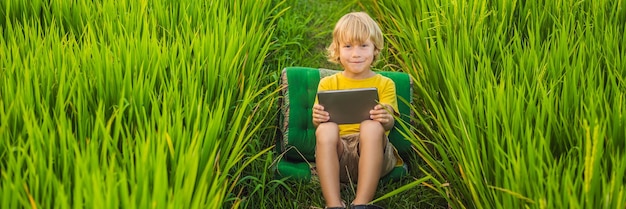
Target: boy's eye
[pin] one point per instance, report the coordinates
(346, 46)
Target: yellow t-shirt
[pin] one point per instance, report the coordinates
(386, 93)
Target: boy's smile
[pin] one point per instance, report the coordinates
(356, 59)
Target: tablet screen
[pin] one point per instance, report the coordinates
(349, 105)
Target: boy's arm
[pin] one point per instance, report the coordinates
(383, 113)
(390, 104)
(389, 125)
(319, 115)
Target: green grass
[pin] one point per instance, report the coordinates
(173, 104)
(125, 104)
(522, 102)
(305, 31)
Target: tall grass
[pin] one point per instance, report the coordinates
(300, 38)
(131, 104)
(521, 102)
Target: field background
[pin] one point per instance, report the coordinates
(173, 103)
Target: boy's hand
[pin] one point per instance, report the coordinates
(319, 115)
(380, 114)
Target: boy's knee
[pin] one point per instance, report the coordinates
(372, 132)
(327, 132)
(328, 127)
(372, 125)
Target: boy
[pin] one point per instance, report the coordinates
(360, 152)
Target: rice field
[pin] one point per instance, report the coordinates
(131, 104)
(173, 103)
(522, 102)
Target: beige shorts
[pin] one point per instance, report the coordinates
(349, 159)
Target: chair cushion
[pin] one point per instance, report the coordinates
(297, 141)
(302, 171)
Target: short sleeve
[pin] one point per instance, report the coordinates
(325, 84)
(388, 94)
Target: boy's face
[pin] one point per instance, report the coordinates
(356, 58)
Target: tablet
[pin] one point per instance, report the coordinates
(348, 105)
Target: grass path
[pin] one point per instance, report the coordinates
(305, 31)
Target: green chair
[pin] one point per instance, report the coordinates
(296, 144)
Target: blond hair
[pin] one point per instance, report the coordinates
(355, 28)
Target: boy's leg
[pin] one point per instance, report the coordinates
(327, 151)
(371, 146)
